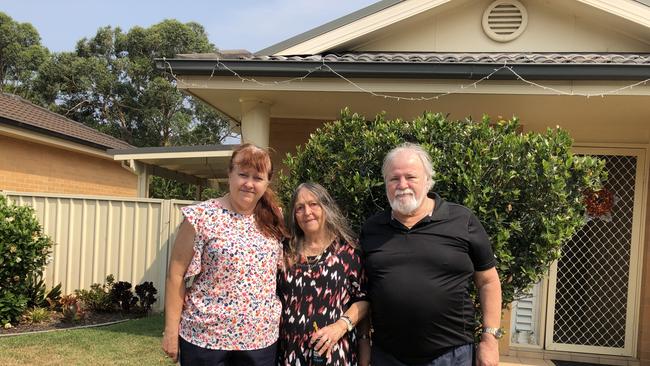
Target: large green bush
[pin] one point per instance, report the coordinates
(525, 188)
(23, 254)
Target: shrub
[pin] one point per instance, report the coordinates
(122, 296)
(146, 293)
(525, 188)
(72, 309)
(53, 297)
(37, 315)
(38, 296)
(23, 253)
(113, 296)
(36, 291)
(98, 298)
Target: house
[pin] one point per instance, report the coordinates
(583, 65)
(44, 152)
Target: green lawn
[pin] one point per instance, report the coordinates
(135, 342)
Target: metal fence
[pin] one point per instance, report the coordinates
(95, 236)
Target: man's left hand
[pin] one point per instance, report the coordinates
(488, 351)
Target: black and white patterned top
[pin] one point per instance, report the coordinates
(319, 290)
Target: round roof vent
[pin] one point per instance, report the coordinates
(505, 20)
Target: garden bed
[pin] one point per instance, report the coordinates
(56, 322)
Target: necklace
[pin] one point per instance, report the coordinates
(312, 260)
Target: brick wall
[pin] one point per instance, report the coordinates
(31, 167)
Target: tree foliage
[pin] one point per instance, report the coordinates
(525, 188)
(110, 82)
(21, 54)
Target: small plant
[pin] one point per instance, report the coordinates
(10, 303)
(38, 296)
(72, 310)
(53, 297)
(98, 298)
(122, 296)
(36, 291)
(146, 293)
(37, 315)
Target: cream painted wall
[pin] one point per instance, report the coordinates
(594, 120)
(553, 26)
(612, 119)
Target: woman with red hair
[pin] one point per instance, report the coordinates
(231, 247)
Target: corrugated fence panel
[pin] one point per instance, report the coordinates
(97, 236)
(175, 216)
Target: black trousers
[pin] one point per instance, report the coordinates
(192, 355)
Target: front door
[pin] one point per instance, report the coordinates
(593, 288)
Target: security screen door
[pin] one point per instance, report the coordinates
(593, 288)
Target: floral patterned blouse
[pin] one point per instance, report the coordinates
(232, 303)
(319, 292)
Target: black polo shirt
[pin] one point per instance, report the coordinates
(419, 279)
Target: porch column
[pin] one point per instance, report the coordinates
(144, 177)
(255, 121)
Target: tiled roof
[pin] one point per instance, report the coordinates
(447, 58)
(20, 112)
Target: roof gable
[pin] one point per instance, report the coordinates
(435, 26)
(552, 27)
(24, 114)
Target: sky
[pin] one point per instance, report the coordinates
(240, 24)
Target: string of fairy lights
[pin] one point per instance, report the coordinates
(454, 90)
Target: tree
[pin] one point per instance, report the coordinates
(21, 53)
(527, 189)
(111, 83)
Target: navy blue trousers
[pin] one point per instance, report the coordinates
(458, 356)
(191, 355)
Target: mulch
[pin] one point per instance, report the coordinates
(56, 322)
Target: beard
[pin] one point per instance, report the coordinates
(405, 201)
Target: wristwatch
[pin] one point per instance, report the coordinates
(496, 332)
(348, 322)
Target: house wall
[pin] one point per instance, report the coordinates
(286, 134)
(553, 26)
(27, 166)
(613, 119)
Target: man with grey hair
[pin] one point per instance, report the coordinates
(420, 257)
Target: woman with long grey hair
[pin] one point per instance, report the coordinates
(322, 286)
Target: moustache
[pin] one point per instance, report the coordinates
(400, 192)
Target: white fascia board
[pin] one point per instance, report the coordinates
(626, 9)
(362, 26)
(422, 87)
(173, 155)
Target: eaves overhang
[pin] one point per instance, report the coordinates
(393, 70)
(190, 164)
